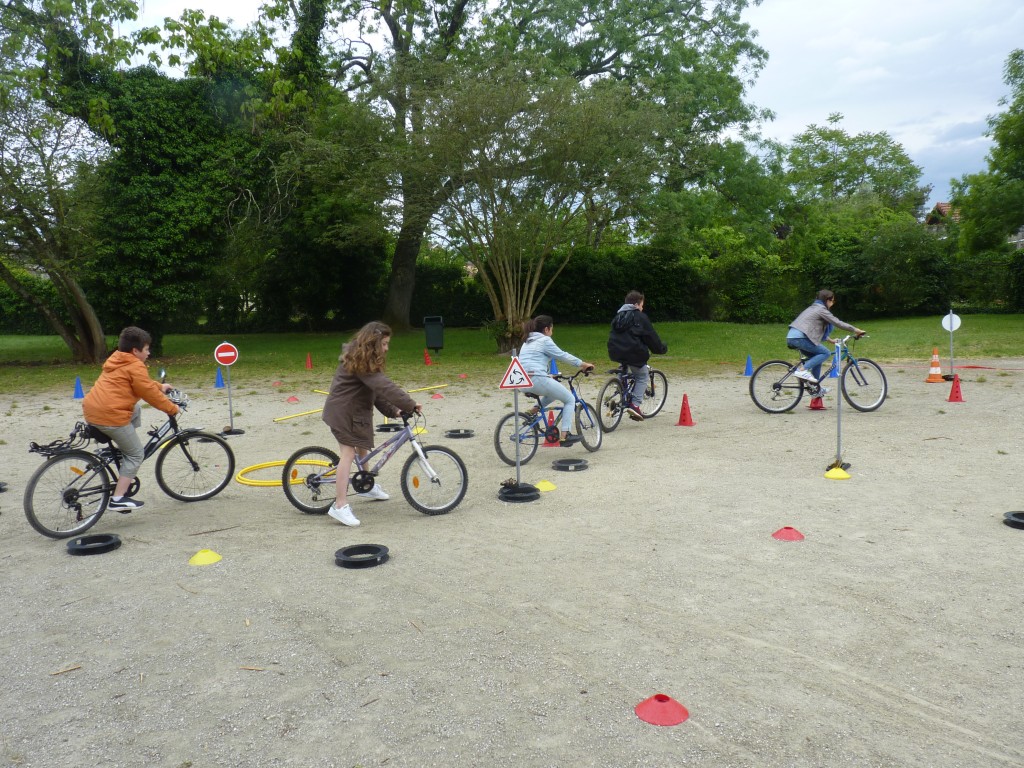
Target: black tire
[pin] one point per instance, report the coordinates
(655, 395)
(96, 544)
(67, 494)
(195, 466)
(609, 404)
(361, 556)
(768, 390)
(864, 385)
(438, 492)
(309, 479)
(588, 426)
(512, 428)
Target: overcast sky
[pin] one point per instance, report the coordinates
(927, 72)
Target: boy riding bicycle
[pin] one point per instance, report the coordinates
(630, 342)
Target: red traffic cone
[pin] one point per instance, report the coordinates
(685, 419)
(551, 423)
(661, 710)
(309, 362)
(817, 405)
(955, 396)
(293, 399)
(935, 371)
(788, 533)
(437, 396)
(426, 358)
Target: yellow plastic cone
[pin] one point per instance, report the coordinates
(204, 557)
(544, 485)
(837, 473)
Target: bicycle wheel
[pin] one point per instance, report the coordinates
(655, 394)
(588, 426)
(436, 485)
(768, 390)
(309, 480)
(195, 466)
(609, 404)
(864, 385)
(68, 494)
(516, 428)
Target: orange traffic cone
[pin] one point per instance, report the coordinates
(817, 405)
(426, 358)
(309, 362)
(551, 423)
(955, 396)
(935, 372)
(685, 419)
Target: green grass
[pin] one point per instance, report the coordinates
(31, 363)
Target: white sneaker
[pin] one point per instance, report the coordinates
(806, 376)
(376, 492)
(344, 515)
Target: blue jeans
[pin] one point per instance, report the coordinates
(816, 354)
(640, 387)
(551, 391)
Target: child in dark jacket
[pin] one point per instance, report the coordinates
(631, 342)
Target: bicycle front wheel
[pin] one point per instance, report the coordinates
(195, 466)
(309, 479)
(772, 391)
(434, 485)
(609, 404)
(516, 428)
(68, 494)
(864, 385)
(655, 394)
(588, 426)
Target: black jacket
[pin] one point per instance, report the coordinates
(633, 338)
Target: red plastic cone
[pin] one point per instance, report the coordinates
(661, 710)
(685, 419)
(426, 358)
(293, 399)
(787, 533)
(437, 396)
(309, 362)
(955, 396)
(551, 422)
(816, 405)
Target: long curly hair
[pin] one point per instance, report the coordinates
(365, 352)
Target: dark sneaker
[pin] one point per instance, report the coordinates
(124, 505)
(634, 412)
(570, 440)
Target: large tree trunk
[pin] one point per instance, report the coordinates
(403, 274)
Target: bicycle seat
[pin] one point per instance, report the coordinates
(94, 434)
(532, 395)
(622, 369)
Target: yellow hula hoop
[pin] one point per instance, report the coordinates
(241, 476)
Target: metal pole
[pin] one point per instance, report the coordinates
(515, 407)
(951, 368)
(839, 411)
(231, 410)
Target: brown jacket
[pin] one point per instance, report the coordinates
(349, 407)
(123, 382)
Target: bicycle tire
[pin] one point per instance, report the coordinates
(68, 494)
(588, 426)
(309, 479)
(194, 466)
(655, 394)
(442, 493)
(609, 404)
(769, 394)
(512, 428)
(864, 385)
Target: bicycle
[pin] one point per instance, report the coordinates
(527, 429)
(434, 478)
(617, 393)
(69, 493)
(774, 387)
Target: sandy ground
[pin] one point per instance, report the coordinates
(525, 634)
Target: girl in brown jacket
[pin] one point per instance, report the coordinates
(360, 385)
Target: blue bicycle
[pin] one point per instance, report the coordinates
(528, 429)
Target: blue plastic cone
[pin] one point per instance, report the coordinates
(79, 394)
(834, 373)
(749, 370)
(554, 368)
(219, 384)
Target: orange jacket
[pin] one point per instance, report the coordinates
(124, 381)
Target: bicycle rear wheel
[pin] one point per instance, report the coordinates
(588, 426)
(768, 390)
(195, 466)
(68, 494)
(516, 428)
(609, 404)
(309, 479)
(437, 485)
(655, 394)
(864, 385)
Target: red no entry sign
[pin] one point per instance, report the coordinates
(225, 353)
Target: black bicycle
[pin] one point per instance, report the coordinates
(617, 394)
(69, 493)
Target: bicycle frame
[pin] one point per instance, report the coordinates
(385, 450)
(540, 420)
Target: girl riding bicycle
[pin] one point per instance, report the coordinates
(810, 327)
(360, 385)
(536, 355)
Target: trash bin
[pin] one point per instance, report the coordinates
(434, 328)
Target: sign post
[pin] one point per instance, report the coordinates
(226, 354)
(516, 378)
(950, 322)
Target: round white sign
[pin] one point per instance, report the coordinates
(951, 322)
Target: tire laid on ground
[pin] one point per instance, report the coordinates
(94, 544)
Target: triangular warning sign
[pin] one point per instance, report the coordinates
(515, 377)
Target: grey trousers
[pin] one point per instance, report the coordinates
(127, 439)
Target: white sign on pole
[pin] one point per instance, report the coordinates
(515, 377)
(951, 322)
